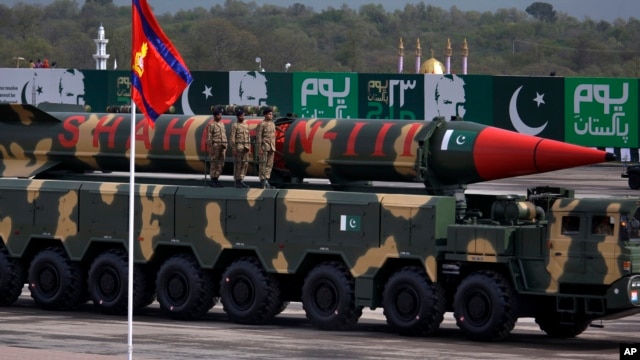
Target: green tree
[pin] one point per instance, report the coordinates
(542, 11)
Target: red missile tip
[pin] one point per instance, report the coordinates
(502, 154)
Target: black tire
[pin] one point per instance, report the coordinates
(144, 287)
(634, 181)
(412, 304)
(108, 283)
(248, 293)
(55, 282)
(551, 323)
(184, 290)
(11, 278)
(484, 306)
(328, 297)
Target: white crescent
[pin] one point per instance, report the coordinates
(517, 122)
(461, 139)
(186, 108)
(352, 223)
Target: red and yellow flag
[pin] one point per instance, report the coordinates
(159, 74)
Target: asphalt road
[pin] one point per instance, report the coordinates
(84, 334)
(27, 332)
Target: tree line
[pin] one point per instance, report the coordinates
(534, 41)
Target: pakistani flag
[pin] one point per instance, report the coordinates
(349, 223)
(458, 140)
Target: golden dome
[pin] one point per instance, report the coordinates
(432, 66)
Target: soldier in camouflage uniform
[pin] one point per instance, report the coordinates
(240, 147)
(217, 145)
(266, 144)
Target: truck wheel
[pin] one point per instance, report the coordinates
(55, 282)
(634, 181)
(551, 323)
(328, 297)
(184, 290)
(413, 305)
(11, 278)
(248, 293)
(108, 283)
(483, 306)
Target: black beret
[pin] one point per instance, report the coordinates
(266, 111)
(239, 112)
(217, 111)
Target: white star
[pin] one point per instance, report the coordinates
(539, 99)
(207, 92)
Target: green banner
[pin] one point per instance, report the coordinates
(467, 96)
(530, 105)
(119, 88)
(602, 112)
(388, 96)
(325, 95)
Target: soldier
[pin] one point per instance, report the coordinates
(217, 145)
(240, 147)
(266, 144)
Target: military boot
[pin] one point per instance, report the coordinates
(241, 185)
(215, 183)
(266, 185)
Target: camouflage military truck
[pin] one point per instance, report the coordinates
(488, 259)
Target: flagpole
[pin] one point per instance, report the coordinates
(132, 171)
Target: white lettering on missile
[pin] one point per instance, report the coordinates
(445, 139)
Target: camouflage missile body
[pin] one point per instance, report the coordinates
(438, 153)
(416, 256)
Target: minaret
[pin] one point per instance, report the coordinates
(418, 55)
(448, 52)
(465, 55)
(101, 55)
(400, 57)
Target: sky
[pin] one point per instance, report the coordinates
(607, 10)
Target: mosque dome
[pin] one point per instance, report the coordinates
(432, 66)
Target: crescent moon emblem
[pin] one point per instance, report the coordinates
(352, 223)
(461, 139)
(517, 122)
(24, 94)
(186, 108)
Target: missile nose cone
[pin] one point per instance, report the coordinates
(501, 154)
(553, 155)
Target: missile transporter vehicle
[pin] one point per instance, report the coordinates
(489, 259)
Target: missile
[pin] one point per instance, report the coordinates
(438, 153)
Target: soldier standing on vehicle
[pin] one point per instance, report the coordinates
(266, 144)
(240, 147)
(217, 145)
